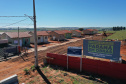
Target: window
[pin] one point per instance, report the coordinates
(26, 41)
(60, 36)
(38, 38)
(45, 37)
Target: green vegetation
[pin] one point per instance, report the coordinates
(57, 75)
(108, 31)
(120, 35)
(33, 67)
(26, 70)
(60, 81)
(31, 82)
(81, 29)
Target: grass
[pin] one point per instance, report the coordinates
(31, 82)
(26, 70)
(120, 35)
(56, 76)
(60, 81)
(33, 67)
(107, 31)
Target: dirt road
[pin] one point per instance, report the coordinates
(17, 65)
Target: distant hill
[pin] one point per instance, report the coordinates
(51, 29)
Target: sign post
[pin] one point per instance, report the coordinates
(75, 51)
(81, 64)
(67, 62)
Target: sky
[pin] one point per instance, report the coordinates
(64, 13)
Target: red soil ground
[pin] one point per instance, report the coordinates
(18, 64)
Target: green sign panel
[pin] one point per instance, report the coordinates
(102, 49)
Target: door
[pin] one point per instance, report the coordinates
(54, 37)
(41, 38)
(46, 39)
(20, 42)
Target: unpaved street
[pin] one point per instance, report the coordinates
(17, 65)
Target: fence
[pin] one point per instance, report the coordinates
(9, 50)
(1, 52)
(110, 69)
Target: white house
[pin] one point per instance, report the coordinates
(90, 31)
(12, 37)
(1, 34)
(42, 37)
(76, 33)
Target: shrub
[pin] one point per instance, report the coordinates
(26, 70)
(33, 67)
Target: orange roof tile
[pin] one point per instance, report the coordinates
(62, 31)
(15, 34)
(89, 29)
(77, 30)
(42, 33)
(92, 29)
(48, 31)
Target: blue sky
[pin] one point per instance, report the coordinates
(65, 13)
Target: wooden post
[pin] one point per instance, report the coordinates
(35, 35)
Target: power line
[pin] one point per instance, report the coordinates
(15, 22)
(16, 16)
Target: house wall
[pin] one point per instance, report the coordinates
(95, 32)
(13, 40)
(57, 36)
(42, 39)
(31, 38)
(5, 36)
(26, 41)
(45, 39)
(87, 32)
(68, 35)
(75, 33)
(0, 36)
(39, 38)
(16, 39)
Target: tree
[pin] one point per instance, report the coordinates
(114, 28)
(124, 28)
(81, 29)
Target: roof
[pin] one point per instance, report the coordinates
(15, 34)
(67, 31)
(92, 29)
(42, 33)
(95, 29)
(48, 31)
(78, 31)
(1, 33)
(62, 31)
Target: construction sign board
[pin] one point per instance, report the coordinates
(102, 49)
(74, 51)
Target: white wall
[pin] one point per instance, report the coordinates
(5, 36)
(45, 39)
(39, 39)
(42, 38)
(31, 38)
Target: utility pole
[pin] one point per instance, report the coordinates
(18, 37)
(35, 35)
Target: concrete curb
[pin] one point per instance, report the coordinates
(10, 80)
